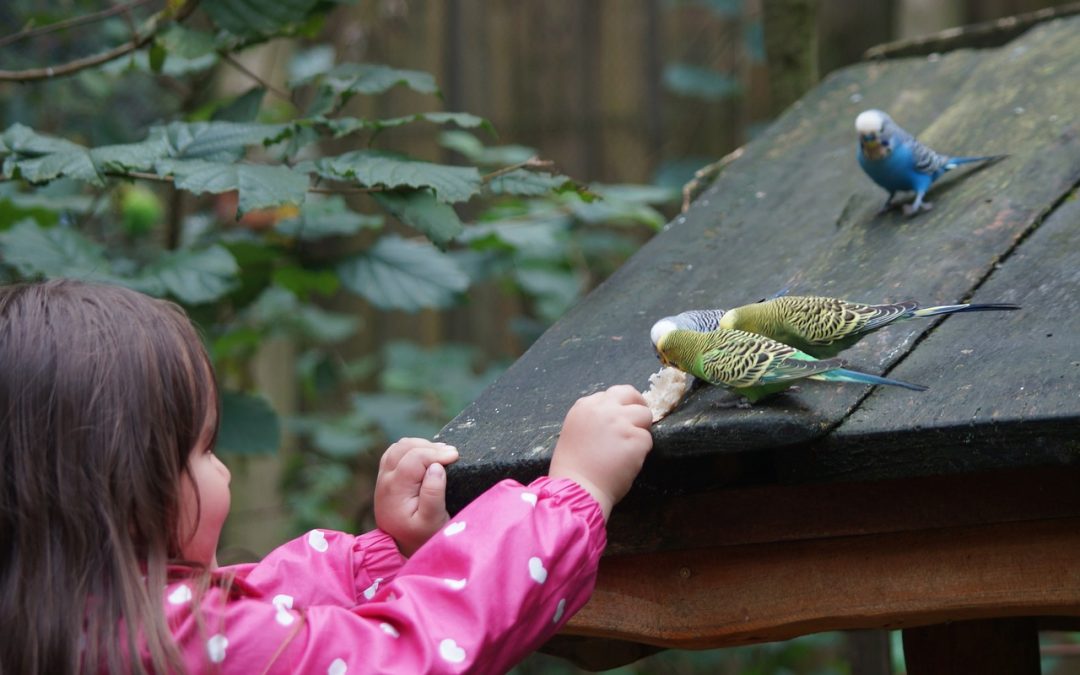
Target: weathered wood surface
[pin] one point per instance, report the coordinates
(795, 211)
(704, 598)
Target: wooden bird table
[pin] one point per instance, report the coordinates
(952, 514)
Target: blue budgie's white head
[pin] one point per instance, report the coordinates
(875, 130)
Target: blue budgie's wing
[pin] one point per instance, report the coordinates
(926, 160)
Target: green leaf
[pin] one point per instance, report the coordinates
(72, 164)
(475, 151)
(157, 57)
(257, 17)
(23, 140)
(397, 415)
(217, 141)
(278, 309)
(185, 42)
(302, 281)
(249, 425)
(688, 80)
(406, 275)
(326, 217)
(195, 277)
(346, 125)
(308, 64)
(373, 168)
(53, 252)
(260, 186)
(131, 156)
(370, 78)
(525, 182)
(421, 210)
(243, 108)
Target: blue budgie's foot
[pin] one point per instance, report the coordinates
(911, 209)
(917, 205)
(888, 205)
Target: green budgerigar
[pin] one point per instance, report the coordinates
(751, 364)
(820, 326)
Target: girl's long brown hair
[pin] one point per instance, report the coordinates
(103, 394)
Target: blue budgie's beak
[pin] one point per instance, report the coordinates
(873, 146)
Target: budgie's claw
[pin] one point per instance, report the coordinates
(910, 209)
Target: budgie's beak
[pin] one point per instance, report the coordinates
(872, 146)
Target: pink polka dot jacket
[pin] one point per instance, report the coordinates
(496, 582)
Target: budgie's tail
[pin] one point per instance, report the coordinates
(957, 161)
(954, 309)
(845, 375)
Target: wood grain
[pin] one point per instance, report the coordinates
(725, 596)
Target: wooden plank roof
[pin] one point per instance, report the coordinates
(794, 211)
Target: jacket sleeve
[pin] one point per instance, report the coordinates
(324, 567)
(498, 580)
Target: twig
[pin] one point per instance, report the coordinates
(531, 163)
(711, 170)
(72, 67)
(29, 33)
(228, 58)
(987, 34)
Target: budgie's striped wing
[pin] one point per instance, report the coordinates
(741, 359)
(820, 320)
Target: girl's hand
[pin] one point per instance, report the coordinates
(410, 491)
(603, 443)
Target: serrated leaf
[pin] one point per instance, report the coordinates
(195, 277)
(525, 182)
(257, 17)
(260, 186)
(371, 78)
(75, 164)
(401, 274)
(52, 252)
(343, 126)
(372, 168)
(326, 217)
(23, 140)
(217, 141)
(420, 209)
(130, 156)
(249, 425)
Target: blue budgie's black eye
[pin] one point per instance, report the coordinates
(884, 143)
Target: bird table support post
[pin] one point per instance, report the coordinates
(989, 647)
(791, 49)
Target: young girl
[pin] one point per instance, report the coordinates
(112, 502)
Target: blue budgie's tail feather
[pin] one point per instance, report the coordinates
(845, 375)
(954, 309)
(957, 161)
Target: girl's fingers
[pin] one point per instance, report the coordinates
(414, 463)
(431, 507)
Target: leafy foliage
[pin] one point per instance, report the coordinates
(257, 210)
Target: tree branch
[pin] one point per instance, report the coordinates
(228, 58)
(29, 33)
(72, 67)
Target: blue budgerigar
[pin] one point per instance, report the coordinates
(898, 162)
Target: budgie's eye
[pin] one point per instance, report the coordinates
(884, 143)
